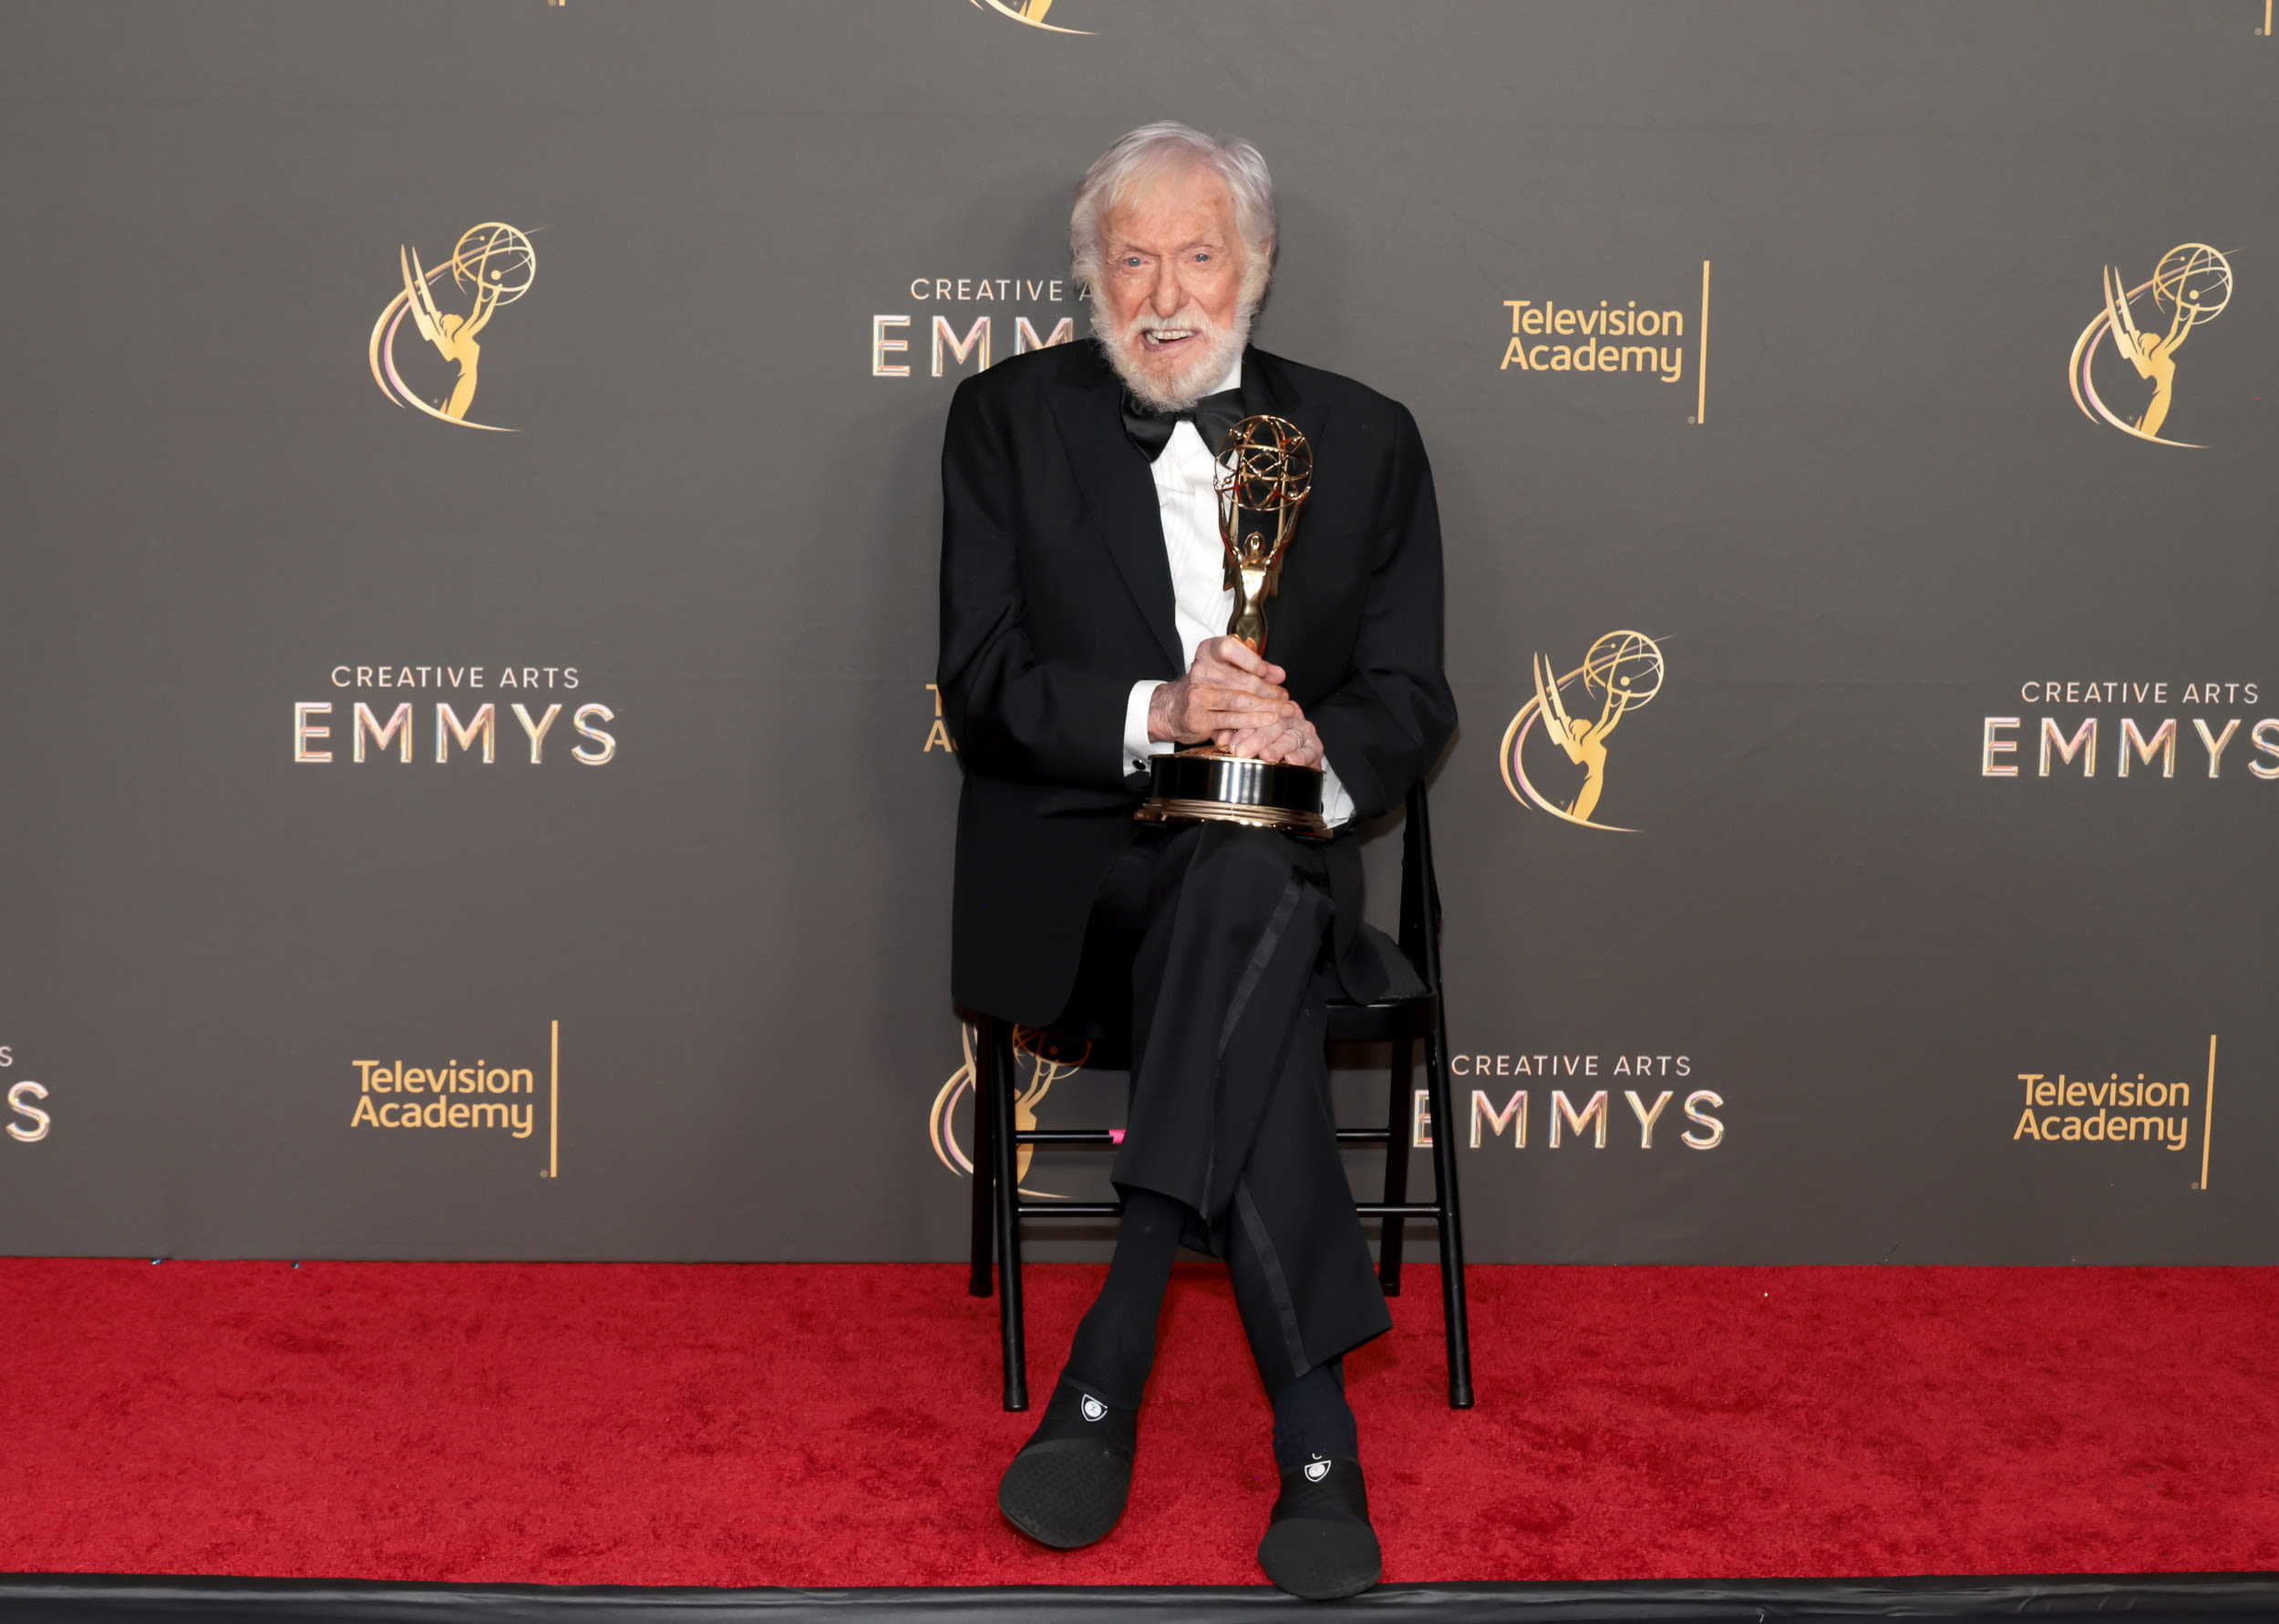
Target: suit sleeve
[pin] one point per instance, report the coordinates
(1387, 723)
(1013, 713)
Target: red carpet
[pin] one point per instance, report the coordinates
(778, 1425)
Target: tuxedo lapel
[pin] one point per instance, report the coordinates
(1121, 493)
(1267, 387)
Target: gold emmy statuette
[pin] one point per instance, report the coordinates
(1269, 478)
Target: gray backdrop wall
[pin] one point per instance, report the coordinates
(683, 974)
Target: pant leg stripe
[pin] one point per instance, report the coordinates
(1277, 928)
(1278, 1286)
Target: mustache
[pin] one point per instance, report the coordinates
(1196, 323)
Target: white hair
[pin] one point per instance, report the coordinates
(1153, 148)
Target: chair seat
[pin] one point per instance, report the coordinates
(1379, 1023)
(1404, 1011)
(1402, 983)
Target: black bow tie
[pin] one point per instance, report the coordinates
(1213, 415)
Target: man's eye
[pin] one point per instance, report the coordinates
(1202, 259)
(1133, 262)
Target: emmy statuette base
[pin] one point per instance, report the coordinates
(1204, 786)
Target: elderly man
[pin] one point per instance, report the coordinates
(1084, 616)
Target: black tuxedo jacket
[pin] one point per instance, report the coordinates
(1057, 597)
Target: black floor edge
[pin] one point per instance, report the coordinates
(109, 1598)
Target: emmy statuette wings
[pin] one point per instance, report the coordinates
(1266, 472)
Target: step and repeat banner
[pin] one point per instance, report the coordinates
(472, 787)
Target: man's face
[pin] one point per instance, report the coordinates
(1172, 263)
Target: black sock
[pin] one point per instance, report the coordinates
(1311, 1419)
(1115, 1345)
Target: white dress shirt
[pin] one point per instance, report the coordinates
(1202, 601)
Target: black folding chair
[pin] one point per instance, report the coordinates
(1411, 1012)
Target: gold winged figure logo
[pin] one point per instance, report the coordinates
(1047, 1064)
(1623, 671)
(493, 265)
(2190, 287)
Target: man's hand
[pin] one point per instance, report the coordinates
(1228, 691)
(1291, 740)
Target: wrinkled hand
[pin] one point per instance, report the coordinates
(1292, 740)
(1228, 691)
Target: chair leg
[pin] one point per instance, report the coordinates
(985, 1169)
(1396, 1118)
(1451, 1226)
(1006, 1156)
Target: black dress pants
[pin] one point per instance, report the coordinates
(1223, 933)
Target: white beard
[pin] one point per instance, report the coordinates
(1194, 377)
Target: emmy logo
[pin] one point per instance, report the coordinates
(1622, 672)
(1031, 12)
(491, 265)
(1044, 1069)
(2189, 287)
